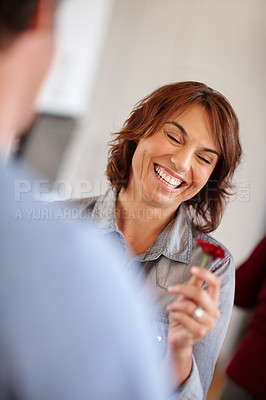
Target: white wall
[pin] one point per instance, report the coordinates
(81, 28)
(154, 42)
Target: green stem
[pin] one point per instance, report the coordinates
(202, 265)
(204, 260)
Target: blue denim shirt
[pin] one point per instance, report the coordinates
(54, 341)
(168, 262)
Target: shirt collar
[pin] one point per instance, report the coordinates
(104, 212)
(175, 242)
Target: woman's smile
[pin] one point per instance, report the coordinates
(170, 181)
(173, 164)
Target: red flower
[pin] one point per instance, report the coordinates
(211, 249)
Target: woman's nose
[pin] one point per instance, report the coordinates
(182, 160)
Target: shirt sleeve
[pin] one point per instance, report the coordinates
(192, 388)
(71, 324)
(206, 351)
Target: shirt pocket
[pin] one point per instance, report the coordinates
(169, 272)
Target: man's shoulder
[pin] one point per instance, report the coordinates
(84, 206)
(97, 209)
(47, 232)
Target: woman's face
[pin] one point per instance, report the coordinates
(175, 163)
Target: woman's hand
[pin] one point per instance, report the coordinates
(185, 329)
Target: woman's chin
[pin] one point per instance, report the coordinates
(161, 198)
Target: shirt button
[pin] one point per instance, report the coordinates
(159, 338)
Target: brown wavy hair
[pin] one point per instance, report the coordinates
(150, 114)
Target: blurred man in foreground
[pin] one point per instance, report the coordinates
(61, 298)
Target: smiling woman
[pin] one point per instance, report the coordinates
(170, 169)
(153, 112)
(173, 164)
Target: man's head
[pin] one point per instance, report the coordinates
(16, 16)
(26, 48)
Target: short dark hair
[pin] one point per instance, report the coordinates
(151, 113)
(15, 17)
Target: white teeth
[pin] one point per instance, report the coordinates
(173, 182)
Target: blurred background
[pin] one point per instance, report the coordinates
(112, 53)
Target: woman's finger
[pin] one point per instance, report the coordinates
(206, 319)
(213, 281)
(186, 306)
(196, 282)
(195, 329)
(198, 295)
(203, 275)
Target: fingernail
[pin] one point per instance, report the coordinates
(172, 288)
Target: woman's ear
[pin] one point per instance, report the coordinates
(44, 15)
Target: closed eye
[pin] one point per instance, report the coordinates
(204, 159)
(173, 138)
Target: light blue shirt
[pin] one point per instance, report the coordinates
(165, 263)
(71, 326)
